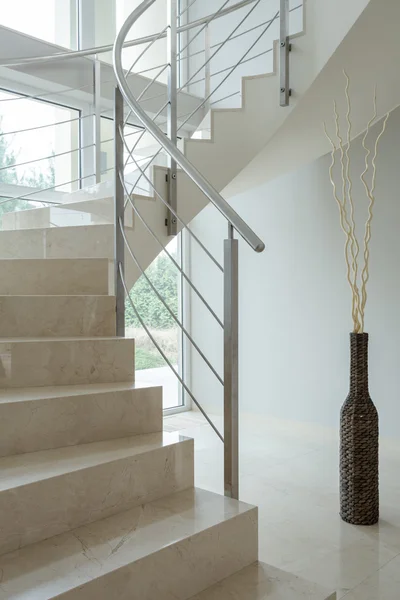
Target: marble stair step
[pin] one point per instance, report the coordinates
(84, 212)
(38, 362)
(33, 419)
(169, 549)
(56, 316)
(104, 191)
(95, 241)
(49, 216)
(264, 582)
(54, 276)
(43, 494)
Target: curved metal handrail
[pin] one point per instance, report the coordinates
(109, 47)
(226, 210)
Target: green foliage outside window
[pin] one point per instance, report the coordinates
(164, 277)
(32, 177)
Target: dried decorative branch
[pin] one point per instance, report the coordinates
(346, 205)
(370, 191)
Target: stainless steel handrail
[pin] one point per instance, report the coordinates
(229, 213)
(109, 47)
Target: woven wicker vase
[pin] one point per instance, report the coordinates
(359, 443)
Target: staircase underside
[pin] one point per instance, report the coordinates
(370, 54)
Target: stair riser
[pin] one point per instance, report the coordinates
(49, 217)
(67, 421)
(74, 277)
(65, 362)
(88, 212)
(42, 509)
(57, 316)
(180, 570)
(59, 242)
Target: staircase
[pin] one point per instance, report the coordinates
(96, 502)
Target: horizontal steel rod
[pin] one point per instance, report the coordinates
(150, 69)
(28, 162)
(165, 304)
(183, 384)
(182, 272)
(142, 93)
(186, 9)
(44, 126)
(108, 47)
(53, 187)
(158, 36)
(47, 94)
(225, 98)
(215, 15)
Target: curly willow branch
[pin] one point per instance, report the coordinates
(343, 220)
(348, 223)
(371, 196)
(355, 247)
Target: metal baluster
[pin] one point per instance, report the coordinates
(96, 117)
(207, 74)
(172, 114)
(284, 53)
(231, 355)
(119, 210)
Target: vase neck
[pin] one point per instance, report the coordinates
(359, 364)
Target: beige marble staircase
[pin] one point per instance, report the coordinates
(96, 502)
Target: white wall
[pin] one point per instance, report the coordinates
(294, 299)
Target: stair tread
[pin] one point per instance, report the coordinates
(23, 469)
(54, 229)
(80, 296)
(28, 394)
(264, 582)
(62, 339)
(54, 566)
(85, 259)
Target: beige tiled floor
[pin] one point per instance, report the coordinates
(290, 471)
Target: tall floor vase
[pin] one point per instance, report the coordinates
(359, 443)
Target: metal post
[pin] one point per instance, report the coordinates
(119, 197)
(207, 68)
(231, 355)
(172, 114)
(96, 117)
(284, 53)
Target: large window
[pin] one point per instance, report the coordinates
(150, 365)
(53, 21)
(43, 158)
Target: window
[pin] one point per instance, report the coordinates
(150, 365)
(53, 21)
(39, 159)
